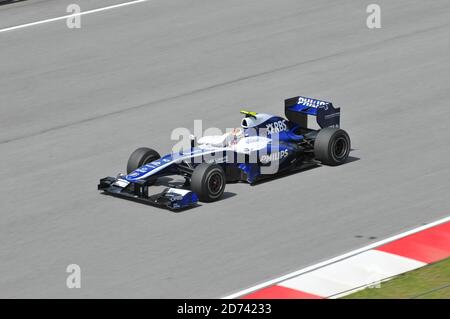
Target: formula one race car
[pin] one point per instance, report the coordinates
(265, 145)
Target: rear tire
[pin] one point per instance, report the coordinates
(141, 156)
(208, 182)
(332, 146)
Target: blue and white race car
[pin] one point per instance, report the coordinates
(263, 146)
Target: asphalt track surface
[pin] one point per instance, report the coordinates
(75, 103)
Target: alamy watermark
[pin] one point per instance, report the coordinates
(374, 280)
(74, 20)
(74, 278)
(234, 145)
(374, 19)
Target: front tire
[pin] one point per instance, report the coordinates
(332, 146)
(141, 156)
(208, 182)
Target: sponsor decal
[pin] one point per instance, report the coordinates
(276, 156)
(276, 127)
(312, 102)
(153, 165)
(329, 116)
(217, 161)
(121, 183)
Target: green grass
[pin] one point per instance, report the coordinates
(429, 282)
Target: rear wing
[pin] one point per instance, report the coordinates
(298, 108)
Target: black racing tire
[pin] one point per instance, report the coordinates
(332, 146)
(141, 156)
(208, 182)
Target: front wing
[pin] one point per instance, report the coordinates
(171, 198)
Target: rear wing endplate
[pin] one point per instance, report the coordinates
(298, 108)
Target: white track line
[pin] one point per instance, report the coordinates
(21, 26)
(335, 259)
